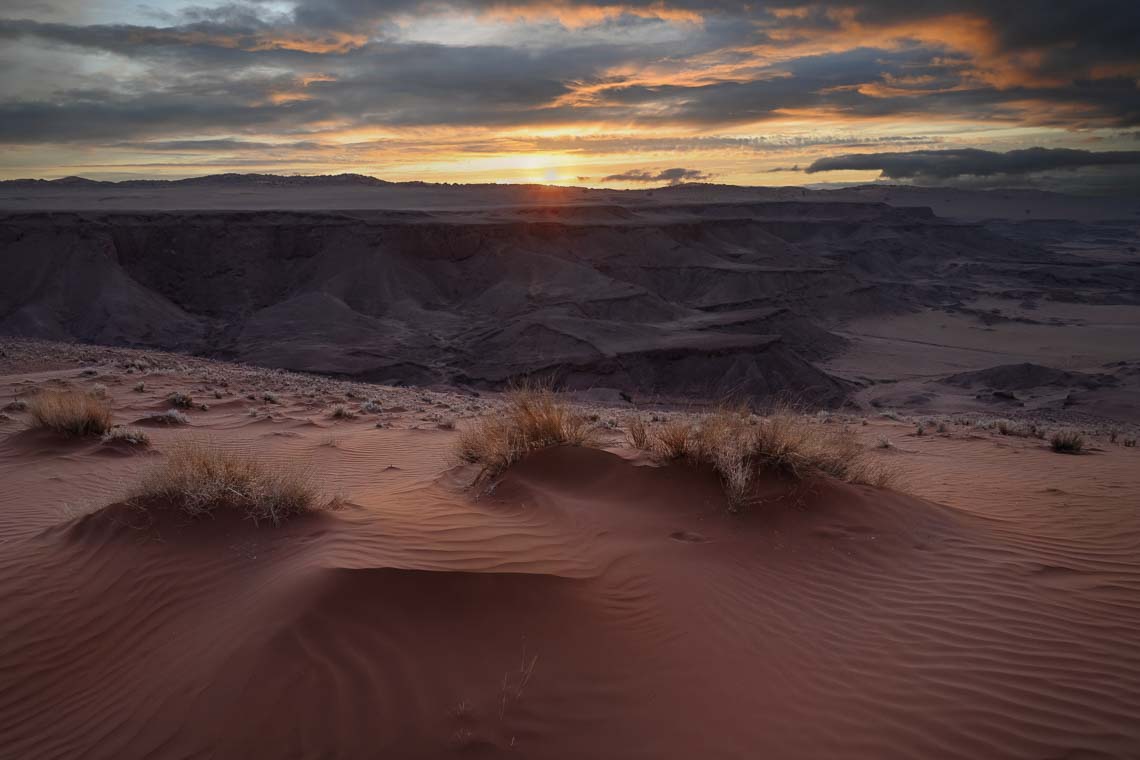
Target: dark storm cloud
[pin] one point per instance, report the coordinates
(951, 164)
(673, 176)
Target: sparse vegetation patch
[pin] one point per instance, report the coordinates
(532, 419)
(739, 445)
(198, 479)
(70, 413)
(169, 417)
(131, 436)
(341, 412)
(1067, 442)
(181, 400)
(637, 432)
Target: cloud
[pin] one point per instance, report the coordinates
(684, 80)
(673, 176)
(210, 146)
(952, 164)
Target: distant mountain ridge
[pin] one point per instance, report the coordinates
(244, 192)
(229, 178)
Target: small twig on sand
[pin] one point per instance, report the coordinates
(513, 690)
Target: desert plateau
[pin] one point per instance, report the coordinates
(569, 380)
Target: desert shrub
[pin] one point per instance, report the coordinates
(1067, 442)
(446, 423)
(341, 412)
(371, 407)
(1130, 443)
(98, 390)
(140, 387)
(133, 436)
(672, 438)
(1018, 429)
(197, 479)
(19, 405)
(270, 398)
(180, 400)
(532, 419)
(883, 443)
(786, 442)
(169, 417)
(637, 432)
(70, 412)
(738, 447)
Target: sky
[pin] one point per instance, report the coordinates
(639, 93)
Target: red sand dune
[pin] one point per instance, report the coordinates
(589, 606)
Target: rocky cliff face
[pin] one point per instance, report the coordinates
(708, 299)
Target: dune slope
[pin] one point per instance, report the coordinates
(589, 606)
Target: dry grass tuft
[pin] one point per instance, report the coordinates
(132, 436)
(733, 442)
(738, 446)
(197, 479)
(637, 432)
(788, 442)
(532, 419)
(672, 439)
(341, 412)
(169, 417)
(70, 412)
(181, 400)
(1019, 429)
(1067, 442)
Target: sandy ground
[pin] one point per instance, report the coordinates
(903, 362)
(590, 604)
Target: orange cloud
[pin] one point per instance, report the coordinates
(575, 16)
